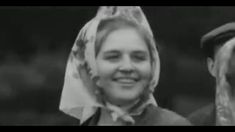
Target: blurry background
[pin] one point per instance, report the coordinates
(35, 43)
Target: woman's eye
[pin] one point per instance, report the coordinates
(112, 57)
(139, 57)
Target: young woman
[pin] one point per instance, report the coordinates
(112, 72)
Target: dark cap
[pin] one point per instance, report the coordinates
(218, 36)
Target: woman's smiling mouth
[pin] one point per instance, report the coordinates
(126, 81)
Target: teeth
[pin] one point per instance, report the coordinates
(126, 80)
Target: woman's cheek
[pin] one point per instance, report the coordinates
(145, 70)
(106, 69)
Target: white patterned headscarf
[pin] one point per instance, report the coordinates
(225, 107)
(79, 98)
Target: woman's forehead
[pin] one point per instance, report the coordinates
(124, 38)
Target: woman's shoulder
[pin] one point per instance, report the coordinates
(159, 116)
(204, 116)
(170, 117)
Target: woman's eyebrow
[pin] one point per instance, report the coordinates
(134, 52)
(111, 52)
(140, 52)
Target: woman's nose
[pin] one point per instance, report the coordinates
(126, 65)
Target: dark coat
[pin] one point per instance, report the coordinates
(151, 116)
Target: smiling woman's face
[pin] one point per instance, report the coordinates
(124, 67)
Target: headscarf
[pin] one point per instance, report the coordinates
(78, 97)
(225, 107)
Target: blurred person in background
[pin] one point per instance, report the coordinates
(219, 47)
(112, 72)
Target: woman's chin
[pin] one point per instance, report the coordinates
(124, 100)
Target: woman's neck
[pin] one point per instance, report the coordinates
(106, 117)
(126, 107)
(107, 120)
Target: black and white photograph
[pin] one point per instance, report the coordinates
(117, 66)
